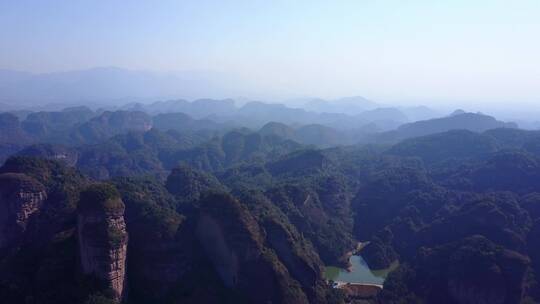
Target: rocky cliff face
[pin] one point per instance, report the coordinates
(20, 199)
(314, 214)
(102, 237)
(157, 258)
(303, 265)
(234, 243)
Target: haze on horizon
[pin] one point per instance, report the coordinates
(429, 52)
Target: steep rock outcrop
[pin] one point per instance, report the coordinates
(157, 257)
(321, 213)
(20, 198)
(303, 265)
(103, 237)
(234, 243)
(291, 247)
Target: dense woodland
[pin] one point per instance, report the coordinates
(213, 204)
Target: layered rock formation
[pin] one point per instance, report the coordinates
(102, 236)
(20, 199)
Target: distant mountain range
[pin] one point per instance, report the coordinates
(352, 105)
(458, 120)
(108, 84)
(358, 105)
(256, 114)
(314, 121)
(82, 125)
(112, 85)
(313, 134)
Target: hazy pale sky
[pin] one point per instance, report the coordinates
(478, 50)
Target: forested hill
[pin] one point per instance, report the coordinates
(111, 206)
(79, 125)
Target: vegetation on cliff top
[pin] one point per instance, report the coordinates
(101, 197)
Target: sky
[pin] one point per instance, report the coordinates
(434, 51)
